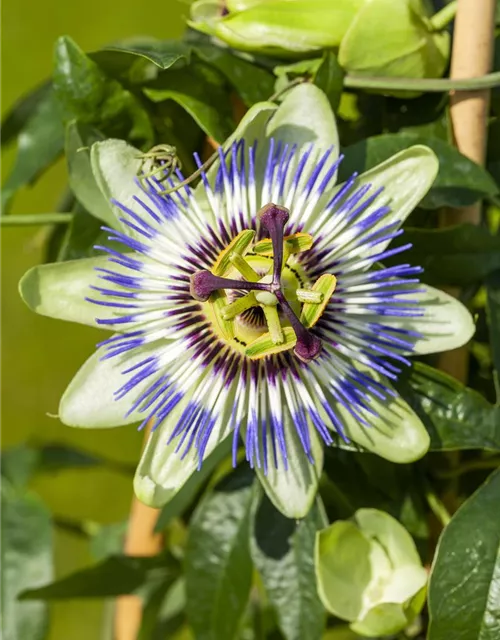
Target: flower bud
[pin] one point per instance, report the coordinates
(386, 589)
(394, 38)
(278, 27)
(373, 37)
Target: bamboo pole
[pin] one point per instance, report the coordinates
(140, 541)
(471, 57)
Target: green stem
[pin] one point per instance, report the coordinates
(436, 505)
(435, 85)
(442, 18)
(35, 219)
(472, 465)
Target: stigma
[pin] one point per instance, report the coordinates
(265, 275)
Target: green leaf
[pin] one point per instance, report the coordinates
(26, 563)
(493, 305)
(87, 94)
(22, 110)
(18, 465)
(330, 78)
(84, 232)
(108, 540)
(203, 98)
(163, 612)
(59, 290)
(459, 255)
(79, 139)
(282, 550)
(117, 575)
(163, 471)
(252, 83)
(164, 54)
(78, 82)
(40, 142)
(218, 566)
(293, 490)
(465, 576)
(455, 416)
(187, 494)
(460, 181)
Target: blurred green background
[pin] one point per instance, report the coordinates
(40, 355)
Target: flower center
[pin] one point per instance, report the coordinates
(265, 275)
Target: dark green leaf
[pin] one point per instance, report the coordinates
(460, 181)
(330, 78)
(163, 613)
(80, 85)
(199, 92)
(79, 139)
(162, 53)
(426, 115)
(253, 84)
(40, 142)
(87, 94)
(358, 480)
(455, 416)
(185, 497)
(55, 457)
(493, 290)
(465, 579)
(283, 552)
(117, 575)
(18, 465)
(26, 563)
(22, 110)
(84, 231)
(460, 255)
(218, 565)
(108, 540)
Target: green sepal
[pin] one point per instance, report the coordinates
(311, 312)
(58, 290)
(293, 490)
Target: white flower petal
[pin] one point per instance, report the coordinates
(89, 400)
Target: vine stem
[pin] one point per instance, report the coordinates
(442, 18)
(466, 467)
(140, 540)
(471, 58)
(34, 219)
(434, 85)
(436, 505)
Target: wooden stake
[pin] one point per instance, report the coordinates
(140, 541)
(471, 57)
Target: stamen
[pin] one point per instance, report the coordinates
(307, 295)
(239, 306)
(274, 324)
(243, 267)
(266, 292)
